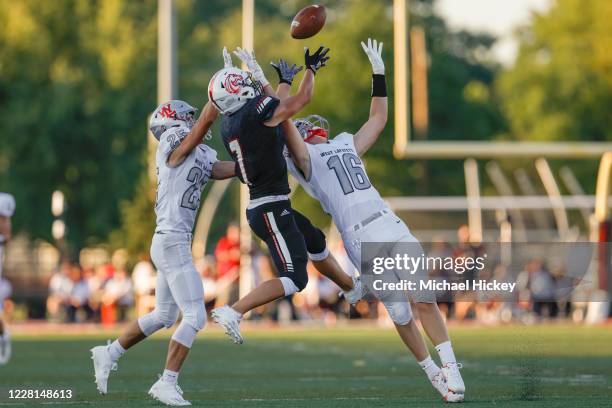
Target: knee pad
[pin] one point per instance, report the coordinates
(288, 286)
(194, 314)
(185, 334)
(298, 279)
(400, 312)
(154, 321)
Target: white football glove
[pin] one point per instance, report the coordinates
(227, 59)
(248, 58)
(374, 53)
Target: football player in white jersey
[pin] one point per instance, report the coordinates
(332, 172)
(7, 209)
(184, 166)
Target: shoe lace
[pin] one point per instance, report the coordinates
(458, 365)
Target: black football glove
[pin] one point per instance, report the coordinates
(317, 60)
(285, 72)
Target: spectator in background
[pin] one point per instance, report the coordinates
(563, 289)
(467, 247)
(118, 292)
(227, 254)
(541, 285)
(60, 287)
(206, 268)
(96, 284)
(78, 300)
(144, 277)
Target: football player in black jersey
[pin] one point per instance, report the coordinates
(252, 134)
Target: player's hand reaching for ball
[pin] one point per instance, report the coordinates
(248, 58)
(285, 72)
(227, 59)
(374, 52)
(317, 60)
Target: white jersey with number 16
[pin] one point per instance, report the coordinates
(339, 181)
(179, 188)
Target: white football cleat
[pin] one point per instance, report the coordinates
(103, 365)
(230, 320)
(357, 293)
(168, 393)
(453, 377)
(439, 383)
(5, 348)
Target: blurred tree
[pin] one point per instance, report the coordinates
(560, 87)
(75, 89)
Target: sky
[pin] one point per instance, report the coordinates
(498, 17)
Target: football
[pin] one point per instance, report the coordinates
(308, 22)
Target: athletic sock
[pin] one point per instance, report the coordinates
(445, 351)
(116, 350)
(170, 376)
(430, 367)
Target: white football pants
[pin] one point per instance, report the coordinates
(179, 287)
(386, 230)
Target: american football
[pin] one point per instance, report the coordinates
(308, 22)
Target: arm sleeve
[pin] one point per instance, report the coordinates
(265, 107)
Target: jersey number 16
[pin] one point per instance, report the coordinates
(351, 176)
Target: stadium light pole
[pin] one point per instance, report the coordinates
(246, 267)
(472, 189)
(401, 101)
(602, 214)
(418, 68)
(167, 67)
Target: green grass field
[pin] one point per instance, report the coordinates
(539, 366)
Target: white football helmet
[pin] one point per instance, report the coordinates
(230, 88)
(313, 128)
(170, 114)
(7, 205)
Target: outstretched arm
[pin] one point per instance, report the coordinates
(286, 73)
(223, 170)
(369, 132)
(297, 147)
(195, 136)
(295, 103)
(292, 104)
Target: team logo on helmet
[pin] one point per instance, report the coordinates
(167, 112)
(233, 83)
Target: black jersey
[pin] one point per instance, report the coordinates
(257, 149)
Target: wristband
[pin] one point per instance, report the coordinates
(379, 85)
